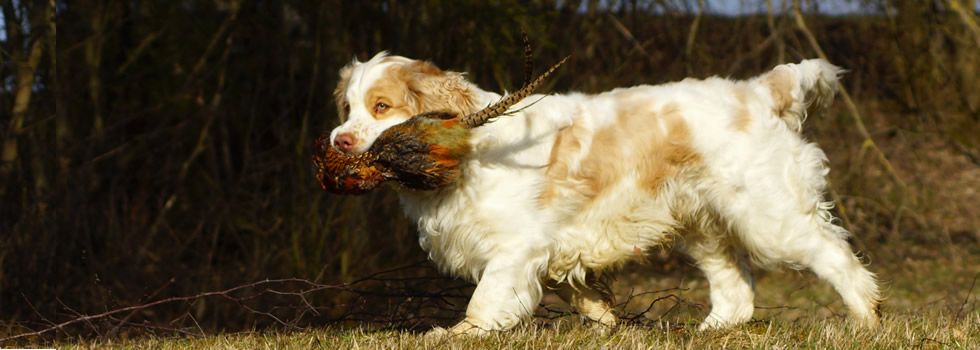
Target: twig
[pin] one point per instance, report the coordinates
(263, 313)
(196, 324)
(650, 306)
(235, 6)
(966, 299)
(130, 315)
(416, 305)
(198, 148)
(224, 293)
(301, 144)
(157, 328)
(626, 33)
(692, 34)
(757, 50)
(858, 121)
(924, 340)
(966, 17)
(631, 296)
(31, 305)
(966, 152)
(89, 322)
(143, 45)
(771, 22)
(310, 287)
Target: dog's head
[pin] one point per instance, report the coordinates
(387, 90)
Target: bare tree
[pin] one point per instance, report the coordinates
(26, 23)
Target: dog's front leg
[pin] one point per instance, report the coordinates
(508, 292)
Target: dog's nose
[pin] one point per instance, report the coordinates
(344, 142)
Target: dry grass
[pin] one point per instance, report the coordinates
(898, 331)
(931, 303)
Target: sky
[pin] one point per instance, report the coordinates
(741, 7)
(748, 7)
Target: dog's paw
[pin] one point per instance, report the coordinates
(436, 333)
(463, 328)
(601, 328)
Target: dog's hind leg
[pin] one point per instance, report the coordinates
(810, 241)
(782, 220)
(829, 256)
(856, 285)
(589, 302)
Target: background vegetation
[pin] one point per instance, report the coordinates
(153, 149)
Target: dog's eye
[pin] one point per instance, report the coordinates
(381, 107)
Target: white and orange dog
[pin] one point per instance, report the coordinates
(562, 193)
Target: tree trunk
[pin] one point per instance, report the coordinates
(93, 58)
(25, 66)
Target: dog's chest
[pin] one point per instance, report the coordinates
(450, 231)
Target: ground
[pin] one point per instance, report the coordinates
(932, 302)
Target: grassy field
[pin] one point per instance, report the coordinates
(899, 331)
(931, 303)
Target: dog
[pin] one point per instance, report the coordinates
(569, 187)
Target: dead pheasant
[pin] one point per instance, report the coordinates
(423, 153)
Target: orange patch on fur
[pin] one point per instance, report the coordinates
(409, 89)
(780, 85)
(742, 116)
(648, 146)
(433, 89)
(392, 90)
(653, 144)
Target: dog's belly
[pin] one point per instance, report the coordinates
(618, 225)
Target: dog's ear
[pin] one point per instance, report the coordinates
(343, 109)
(433, 89)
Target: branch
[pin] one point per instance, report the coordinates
(626, 33)
(25, 69)
(771, 22)
(858, 121)
(692, 34)
(198, 148)
(966, 152)
(236, 5)
(225, 293)
(143, 45)
(417, 301)
(269, 284)
(775, 36)
(966, 17)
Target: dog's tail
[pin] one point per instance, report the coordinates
(801, 89)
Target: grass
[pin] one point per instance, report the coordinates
(931, 303)
(898, 331)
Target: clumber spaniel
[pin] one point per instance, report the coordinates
(562, 193)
